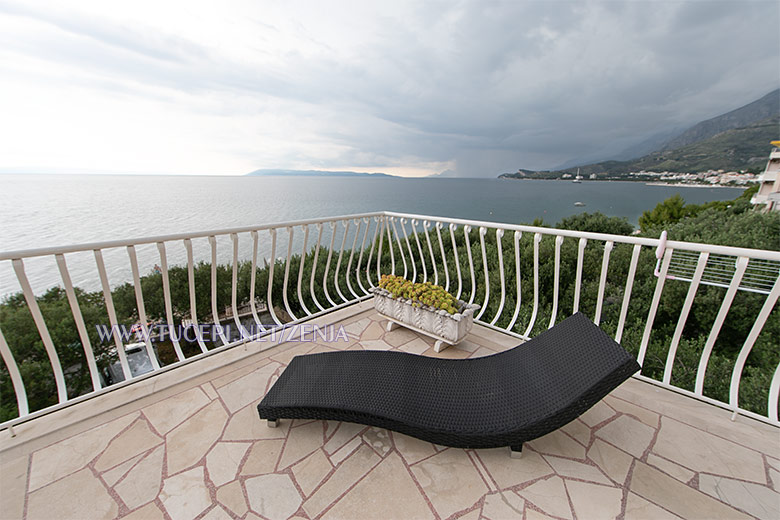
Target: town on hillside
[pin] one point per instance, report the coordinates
(710, 177)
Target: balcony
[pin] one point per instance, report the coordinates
(768, 176)
(183, 441)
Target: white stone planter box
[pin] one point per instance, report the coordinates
(447, 329)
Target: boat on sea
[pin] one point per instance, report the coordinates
(578, 178)
(578, 203)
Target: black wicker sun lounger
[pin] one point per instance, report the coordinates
(499, 400)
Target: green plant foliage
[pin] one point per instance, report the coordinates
(669, 211)
(734, 223)
(597, 223)
(420, 294)
(674, 209)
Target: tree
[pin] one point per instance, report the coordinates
(667, 212)
(597, 223)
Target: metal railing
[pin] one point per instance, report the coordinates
(514, 272)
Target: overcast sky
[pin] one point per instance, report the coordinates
(413, 88)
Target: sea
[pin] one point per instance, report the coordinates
(39, 211)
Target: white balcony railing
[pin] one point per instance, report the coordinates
(525, 278)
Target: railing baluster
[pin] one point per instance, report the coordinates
(348, 271)
(234, 289)
(482, 233)
(739, 365)
(300, 269)
(774, 395)
(290, 234)
(272, 264)
(409, 248)
(78, 319)
(517, 236)
(314, 268)
(367, 222)
(556, 280)
(466, 231)
(427, 225)
(443, 256)
(327, 263)
(578, 277)
(532, 321)
(380, 223)
(499, 245)
(120, 348)
(252, 281)
(659, 287)
(193, 306)
(139, 301)
(457, 261)
(377, 233)
(627, 292)
(388, 221)
(419, 250)
(400, 246)
(603, 280)
(742, 263)
(167, 299)
(338, 262)
(16, 377)
(686, 308)
(214, 309)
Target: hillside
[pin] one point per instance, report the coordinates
(736, 149)
(672, 138)
(759, 110)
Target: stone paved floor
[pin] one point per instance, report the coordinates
(643, 452)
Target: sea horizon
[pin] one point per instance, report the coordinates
(57, 210)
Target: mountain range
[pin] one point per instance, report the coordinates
(760, 110)
(736, 140)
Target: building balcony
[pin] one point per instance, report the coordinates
(183, 441)
(768, 176)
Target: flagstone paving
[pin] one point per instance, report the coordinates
(202, 453)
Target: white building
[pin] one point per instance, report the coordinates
(769, 192)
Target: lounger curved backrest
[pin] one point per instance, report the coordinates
(500, 400)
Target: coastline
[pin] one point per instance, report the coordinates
(684, 185)
(630, 181)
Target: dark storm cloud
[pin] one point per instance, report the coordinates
(488, 86)
(532, 85)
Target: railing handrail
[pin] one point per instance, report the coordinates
(109, 244)
(762, 254)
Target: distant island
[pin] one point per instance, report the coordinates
(314, 173)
